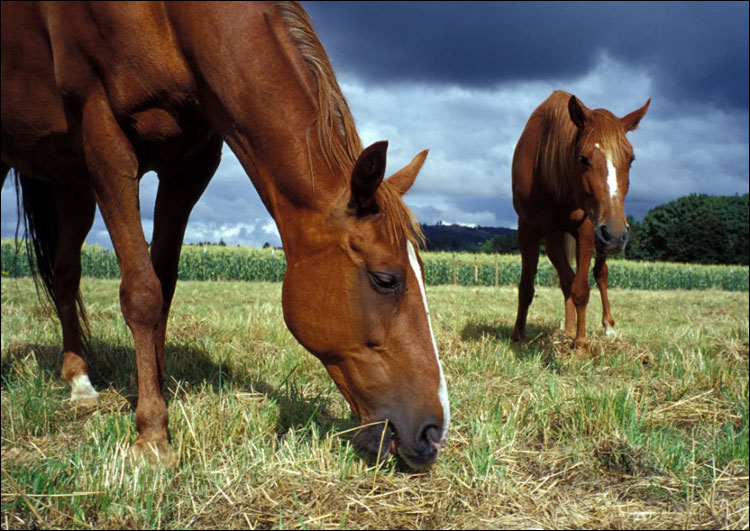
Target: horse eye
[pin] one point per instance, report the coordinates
(384, 281)
(583, 160)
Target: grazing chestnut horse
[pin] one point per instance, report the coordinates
(570, 177)
(95, 94)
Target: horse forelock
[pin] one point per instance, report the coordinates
(334, 124)
(607, 131)
(400, 224)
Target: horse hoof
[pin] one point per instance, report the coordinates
(152, 453)
(582, 345)
(609, 331)
(82, 392)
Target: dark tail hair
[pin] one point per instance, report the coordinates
(35, 198)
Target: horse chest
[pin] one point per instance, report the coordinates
(155, 125)
(163, 139)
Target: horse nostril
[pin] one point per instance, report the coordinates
(430, 434)
(605, 236)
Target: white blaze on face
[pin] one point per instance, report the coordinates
(611, 172)
(443, 389)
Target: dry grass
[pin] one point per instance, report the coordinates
(650, 431)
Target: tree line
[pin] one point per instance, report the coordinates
(697, 228)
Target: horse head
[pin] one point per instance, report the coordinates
(355, 298)
(604, 157)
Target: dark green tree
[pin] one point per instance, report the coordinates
(696, 228)
(635, 230)
(503, 243)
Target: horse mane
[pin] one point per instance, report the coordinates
(555, 164)
(336, 132)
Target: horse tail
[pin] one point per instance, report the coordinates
(36, 204)
(36, 200)
(570, 248)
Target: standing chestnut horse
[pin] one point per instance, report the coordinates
(95, 94)
(570, 177)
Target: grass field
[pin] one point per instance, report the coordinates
(650, 432)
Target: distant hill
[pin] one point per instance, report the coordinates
(445, 237)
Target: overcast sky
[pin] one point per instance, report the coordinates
(462, 79)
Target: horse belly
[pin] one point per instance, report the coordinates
(35, 136)
(36, 139)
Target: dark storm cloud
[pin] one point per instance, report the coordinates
(462, 79)
(695, 51)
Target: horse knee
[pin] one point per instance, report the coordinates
(580, 295)
(141, 301)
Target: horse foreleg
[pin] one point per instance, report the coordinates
(529, 243)
(557, 253)
(600, 274)
(179, 190)
(74, 210)
(580, 290)
(114, 171)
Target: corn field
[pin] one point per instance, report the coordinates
(237, 263)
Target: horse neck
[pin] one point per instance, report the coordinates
(260, 96)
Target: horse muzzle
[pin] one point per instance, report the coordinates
(608, 241)
(419, 447)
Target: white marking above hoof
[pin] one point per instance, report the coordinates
(609, 331)
(81, 388)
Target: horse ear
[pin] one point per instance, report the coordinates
(632, 120)
(404, 178)
(367, 175)
(577, 114)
